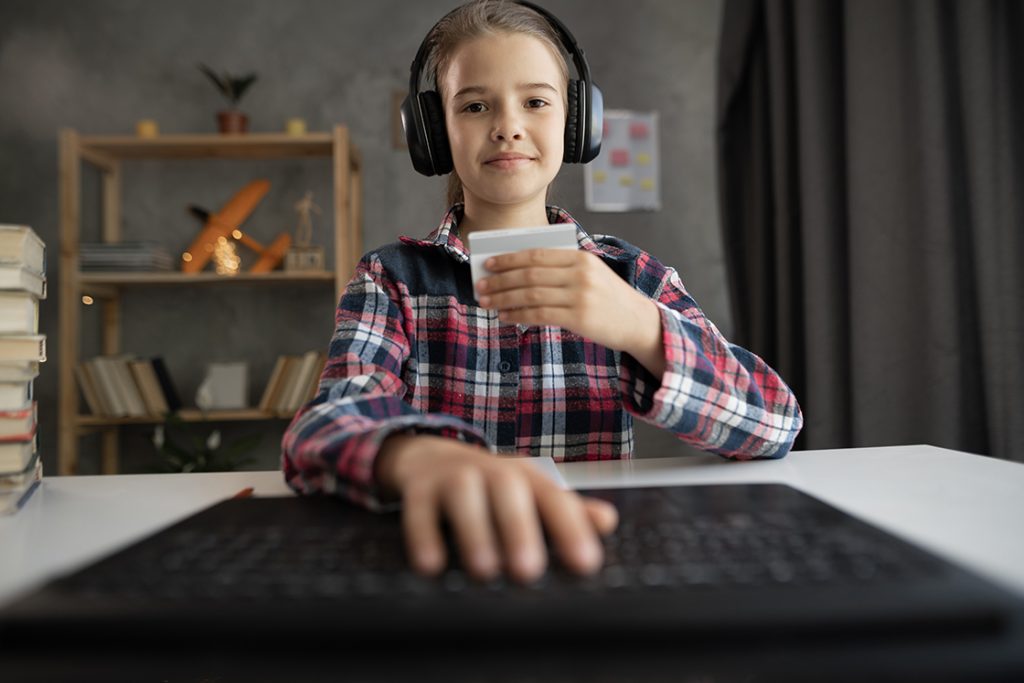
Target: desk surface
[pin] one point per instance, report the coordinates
(967, 508)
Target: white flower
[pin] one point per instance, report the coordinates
(158, 437)
(213, 441)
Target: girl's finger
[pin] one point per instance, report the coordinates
(515, 516)
(525, 277)
(465, 503)
(532, 257)
(571, 530)
(527, 298)
(603, 515)
(421, 528)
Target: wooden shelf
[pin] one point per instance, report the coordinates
(188, 415)
(176, 278)
(111, 155)
(238, 146)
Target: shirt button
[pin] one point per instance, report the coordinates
(504, 366)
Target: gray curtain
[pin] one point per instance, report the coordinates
(871, 174)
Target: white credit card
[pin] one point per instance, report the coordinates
(484, 244)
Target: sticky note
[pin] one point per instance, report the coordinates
(600, 176)
(643, 159)
(626, 181)
(638, 130)
(647, 183)
(620, 157)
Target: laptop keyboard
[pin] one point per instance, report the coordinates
(660, 550)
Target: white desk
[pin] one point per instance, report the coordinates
(967, 508)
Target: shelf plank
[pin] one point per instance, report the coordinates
(86, 278)
(187, 415)
(237, 146)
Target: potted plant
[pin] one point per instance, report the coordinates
(196, 454)
(230, 120)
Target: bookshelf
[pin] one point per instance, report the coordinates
(108, 155)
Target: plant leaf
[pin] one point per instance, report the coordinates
(221, 84)
(240, 85)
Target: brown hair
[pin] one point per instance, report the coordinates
(479, 18)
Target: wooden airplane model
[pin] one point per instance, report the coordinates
(227, 223)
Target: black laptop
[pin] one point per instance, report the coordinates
(748, 581)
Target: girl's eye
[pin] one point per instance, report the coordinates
(474, 108)
(536, 103)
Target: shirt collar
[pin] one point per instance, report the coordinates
(446, 236)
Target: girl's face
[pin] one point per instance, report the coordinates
(504, 98)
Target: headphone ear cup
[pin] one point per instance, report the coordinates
(572, 123)
(418, 151)
(595, 106)
(437, 133)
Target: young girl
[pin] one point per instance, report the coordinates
(554, 354)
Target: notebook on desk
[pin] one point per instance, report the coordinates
(699, 569)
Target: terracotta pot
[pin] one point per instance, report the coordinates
(232, 121)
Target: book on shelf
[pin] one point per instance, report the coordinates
(273, 387)
(126, 386)
(105, 383)
(18, 425)
(288, 379)
(133, 403)
(108, 383)
(297, 388)
(23, 347)
(124, 256)
(149, 386)
(88, 385)
(19, 312)
(280, 386)
(167, 384)
(293, 383)
(21, 246)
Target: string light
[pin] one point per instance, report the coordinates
(226, 258)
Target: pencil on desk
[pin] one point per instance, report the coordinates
(244, 493)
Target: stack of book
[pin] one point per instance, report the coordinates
(22, 349)
(124, 256)
(292, 383)
(126, 386)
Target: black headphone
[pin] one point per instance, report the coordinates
(423, 112)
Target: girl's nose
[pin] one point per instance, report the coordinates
(507, 127)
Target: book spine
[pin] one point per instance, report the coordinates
(166, 384)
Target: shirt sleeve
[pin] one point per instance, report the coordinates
(332, 442)
(714, 395)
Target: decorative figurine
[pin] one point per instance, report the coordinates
(227, 223)
(303, 256)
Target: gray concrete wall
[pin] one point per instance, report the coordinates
(99, 66)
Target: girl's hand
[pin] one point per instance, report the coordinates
(577, 291)
(496, 508)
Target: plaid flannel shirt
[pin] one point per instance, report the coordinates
(412, 352)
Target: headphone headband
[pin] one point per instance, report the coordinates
(568, 41)
(423, 111)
